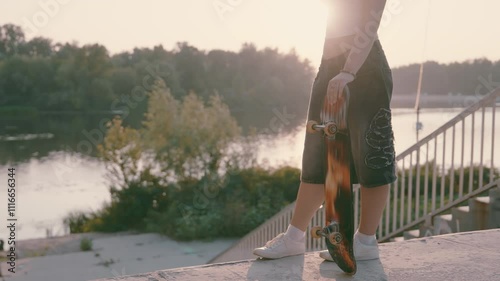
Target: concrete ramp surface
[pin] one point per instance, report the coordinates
(463, 256)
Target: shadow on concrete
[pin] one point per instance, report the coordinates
(289, 268)
(367, 270)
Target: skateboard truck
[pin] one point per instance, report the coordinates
(331, 232)
(329, 128)
(333, 118)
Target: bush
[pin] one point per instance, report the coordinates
(76, 221)
(205, 182)
(212, 207)
(86, 244)
(128, 208)
(243, 201)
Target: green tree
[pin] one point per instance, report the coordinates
(26, 81)
(81, 77)
(11, 40)
(38, 47)
(190, 139)
(122, 151)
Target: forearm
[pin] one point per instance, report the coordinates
(357, 56)
(365, 35)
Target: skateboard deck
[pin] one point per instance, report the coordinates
(339, 209)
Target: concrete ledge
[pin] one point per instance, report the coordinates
(462, 256)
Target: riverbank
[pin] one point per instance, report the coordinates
(112, 255)
(434, 101)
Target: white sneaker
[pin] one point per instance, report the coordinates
(281, 246)
(362, 252)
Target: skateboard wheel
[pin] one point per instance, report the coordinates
(335, 238)
(310, 126)
(315, 232)
(331, 129)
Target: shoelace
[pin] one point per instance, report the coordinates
(278, 240)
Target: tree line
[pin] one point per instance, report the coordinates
(260, 87)
(257, 85)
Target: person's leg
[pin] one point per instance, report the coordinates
(311, 190)
(309, 199)
(373, 201)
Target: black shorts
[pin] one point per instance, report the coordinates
(368, 120)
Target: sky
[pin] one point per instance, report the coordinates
(457, 30)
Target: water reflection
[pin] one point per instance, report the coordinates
(36, 137)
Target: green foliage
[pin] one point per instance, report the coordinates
(229, 206)
(86, 244)
(121, 151)
(255, 84)
(188, 173)
(128, 208)
(226, 207)
(459, 78)
(436, 178)
(190, 139)
(11, 40)
(76, 221)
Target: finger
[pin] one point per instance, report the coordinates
(338, 92)
(334, 93)
(330, 92)
(346, 90)
(341, 91)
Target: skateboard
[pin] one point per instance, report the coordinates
(339, 208)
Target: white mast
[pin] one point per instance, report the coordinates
(419, 125)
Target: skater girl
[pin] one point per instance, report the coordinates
(353, 63)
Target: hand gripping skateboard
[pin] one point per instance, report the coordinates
(339, 209)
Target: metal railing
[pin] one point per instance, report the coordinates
(437, 173)
(444, 169)
(272, 227)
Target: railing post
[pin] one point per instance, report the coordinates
(443, 171)
(402, 199)
(410, 189)
(417, 193)
(426, 183)
(481, 149)
(492, 167)
(452, 169)
(471, 168)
